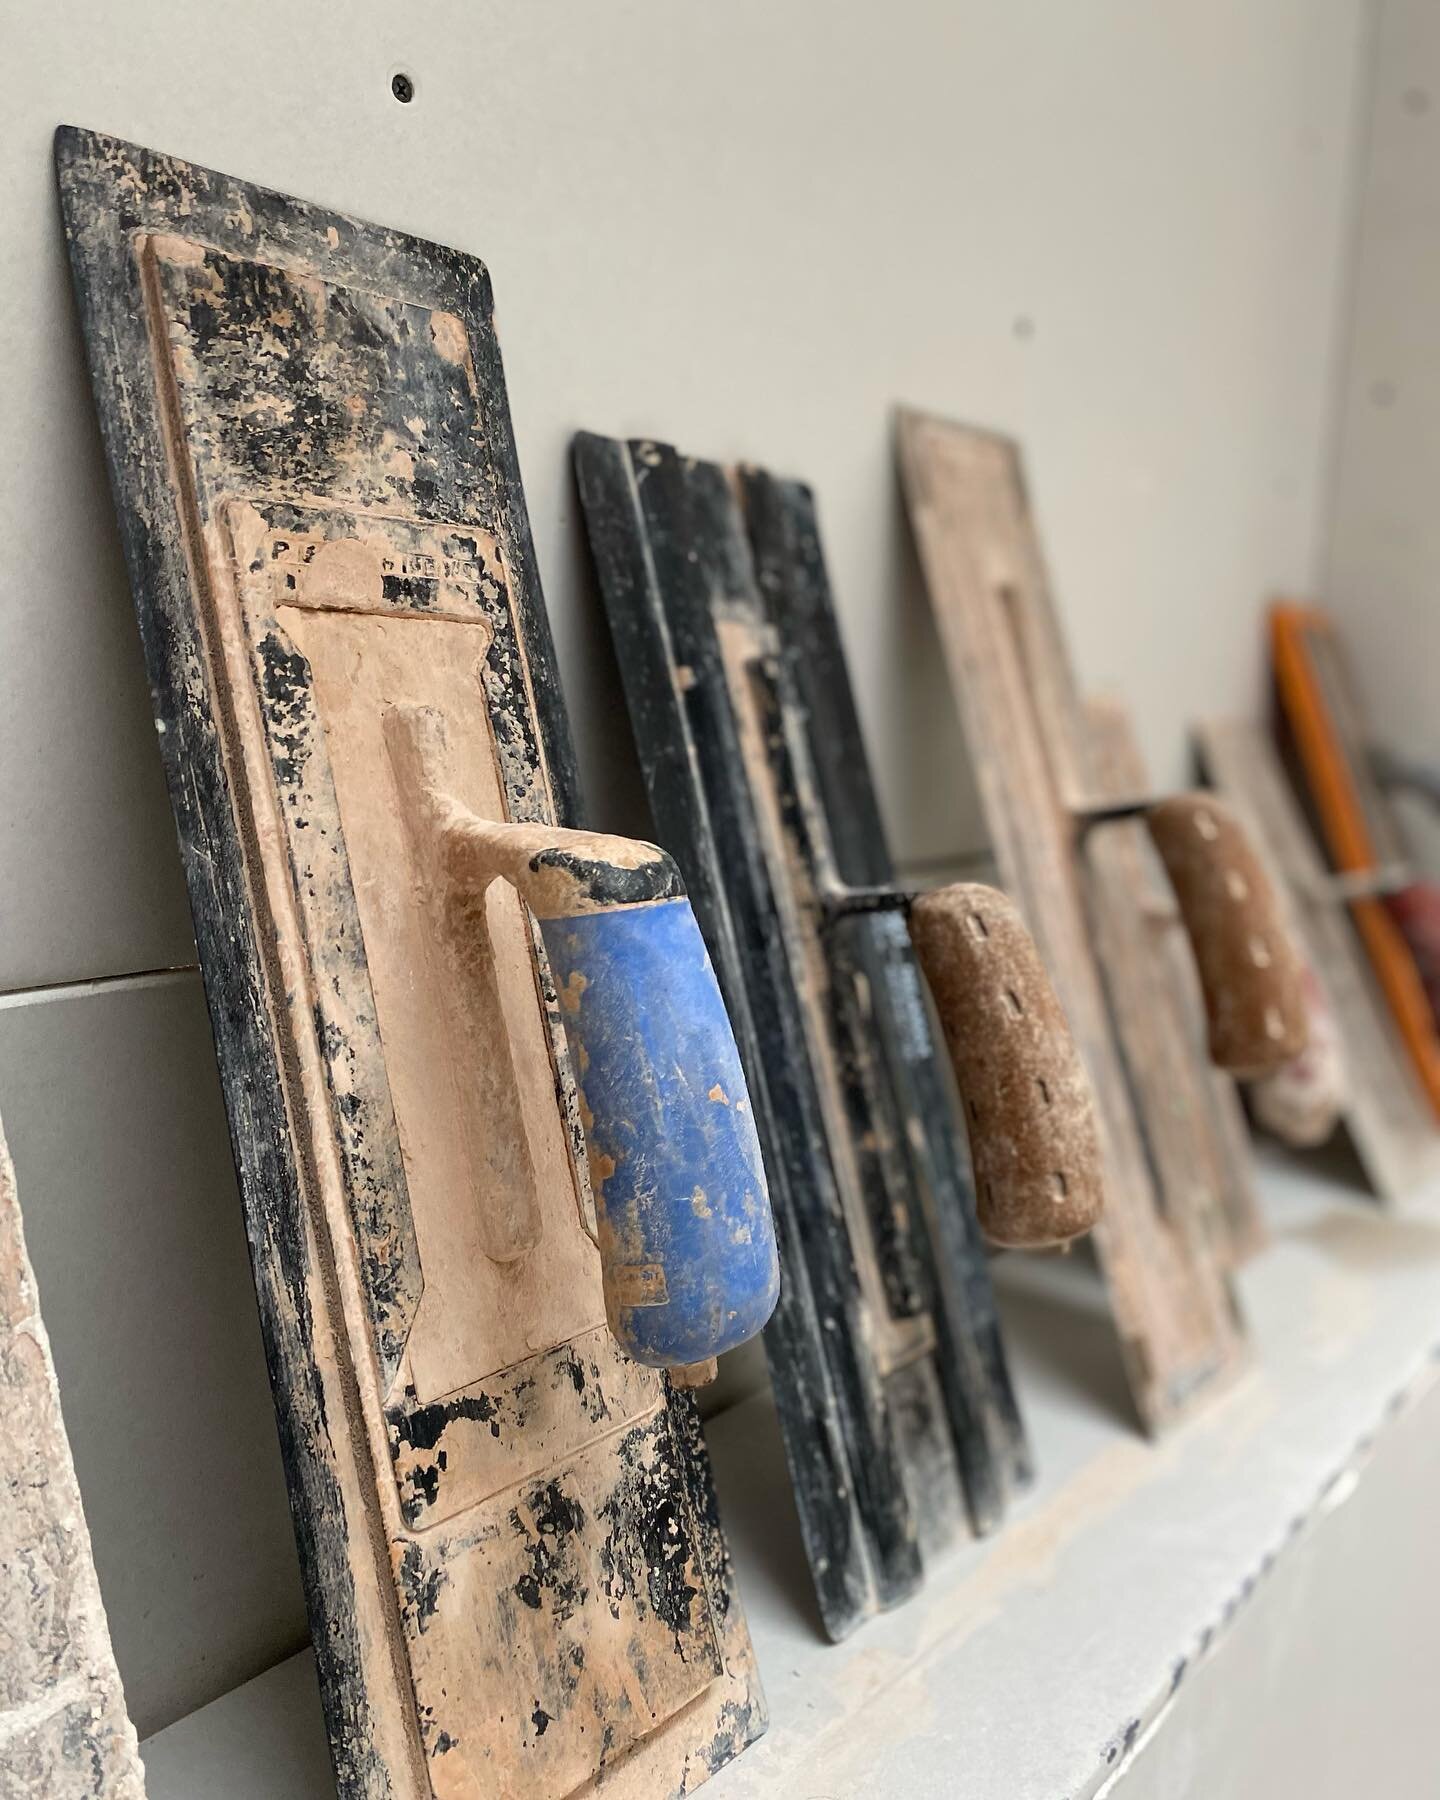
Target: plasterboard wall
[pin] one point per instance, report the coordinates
(1382, 576)
(1115, 229)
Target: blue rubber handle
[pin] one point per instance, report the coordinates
(687, 1242)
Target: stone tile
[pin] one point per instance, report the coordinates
(63, 1726)
(112, 1107)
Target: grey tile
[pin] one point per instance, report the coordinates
(90, 880)
(112, 1107)
(267, 1740)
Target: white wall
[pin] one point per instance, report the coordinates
(1382, 576)
(1112, 227)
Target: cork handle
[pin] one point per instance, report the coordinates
(1028, 1108)
(1251, 974)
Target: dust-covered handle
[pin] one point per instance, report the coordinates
(683, 1221)
(1034, 1143)
(687, 1242)
(1251, 974)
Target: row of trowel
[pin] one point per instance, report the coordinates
(507, 1097)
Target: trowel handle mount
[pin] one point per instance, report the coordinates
(686, 1238)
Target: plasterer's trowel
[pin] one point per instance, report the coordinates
(484, 1101)
(885, 1356)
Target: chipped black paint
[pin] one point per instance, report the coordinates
(736, 1728)
(421, 1584)
(285, 677)
(281, 397)
(372, 1165)
(506, 1414)
(689, 1437)
(646, 1547)
(547, 1525)
(423, 1428)
(607, 884)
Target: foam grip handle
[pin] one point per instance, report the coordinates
(687, 1242)
(1034, 1143)
(1251, 974)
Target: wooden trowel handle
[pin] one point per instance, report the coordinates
(1028, 1108)
(1251, 974)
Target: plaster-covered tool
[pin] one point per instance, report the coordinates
(1154, 918)
(885, 1354)
(497, 1159)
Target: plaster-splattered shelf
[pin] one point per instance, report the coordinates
(1036, 1661)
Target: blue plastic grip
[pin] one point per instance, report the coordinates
(687, 1242)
